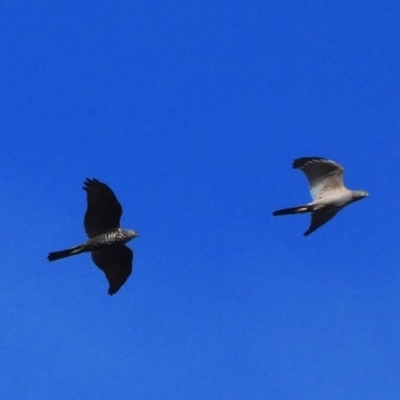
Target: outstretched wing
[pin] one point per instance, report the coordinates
(116, 263)
(103, 209)
(319, 218)
(324, 176)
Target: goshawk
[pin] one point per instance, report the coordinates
(106, 239)
(325, 178)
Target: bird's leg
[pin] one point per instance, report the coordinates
(302, 209)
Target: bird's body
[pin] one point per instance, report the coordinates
(329, 194)
(112, 238)
(107, 240)
(103, 241)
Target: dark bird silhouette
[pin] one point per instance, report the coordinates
(106, 239)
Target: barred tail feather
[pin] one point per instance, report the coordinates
(56, 255)
(293, 210)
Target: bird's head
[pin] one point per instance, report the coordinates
(359, 194)
(132, 234)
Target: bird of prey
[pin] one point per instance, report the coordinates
(325, 178)
(107, 240)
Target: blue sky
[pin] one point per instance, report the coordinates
(192, 112)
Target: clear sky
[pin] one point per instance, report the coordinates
(192, 111)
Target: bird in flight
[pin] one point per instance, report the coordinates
(107, 240)
(325, 179)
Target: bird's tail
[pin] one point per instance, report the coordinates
(56, 255)
(293, 210)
